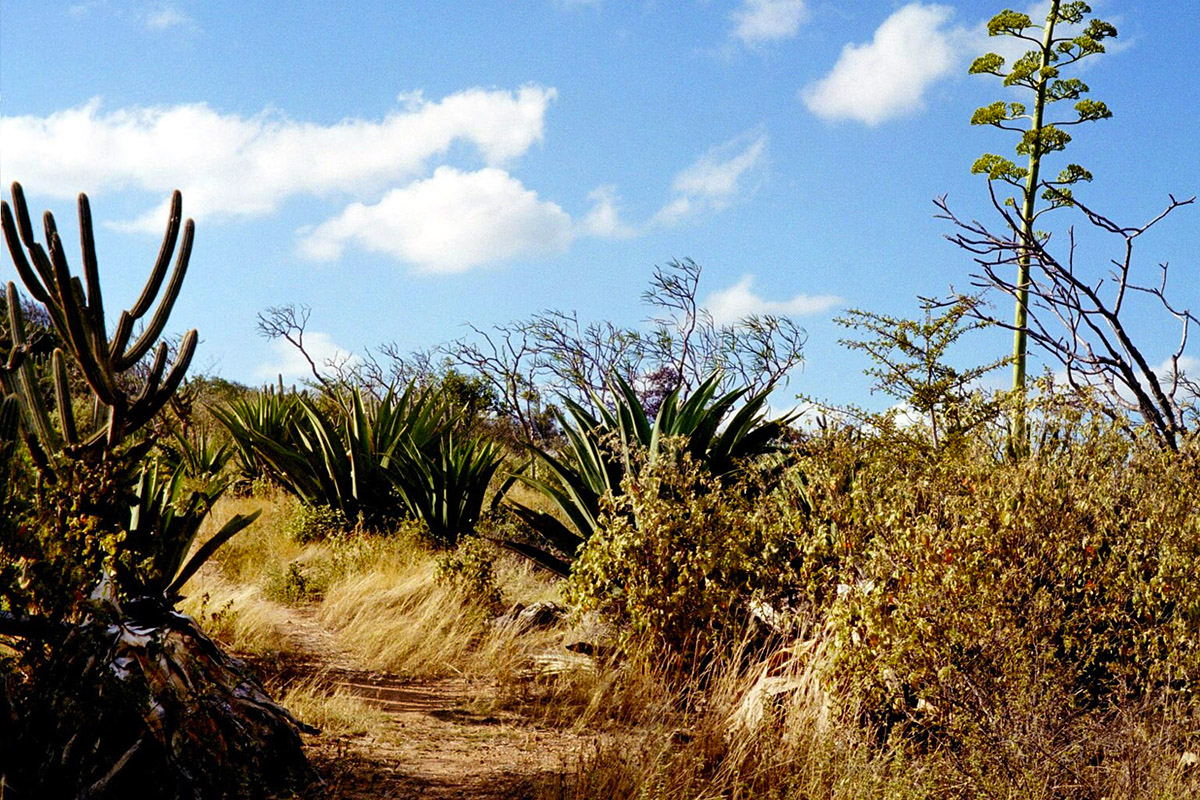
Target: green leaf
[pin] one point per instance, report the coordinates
(992, 114)
(1090, 110)
(1073, 13)
(1039, 141)
(1073, 174)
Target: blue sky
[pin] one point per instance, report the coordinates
(406, 167)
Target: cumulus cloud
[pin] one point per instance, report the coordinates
(290, 363)
(739, 301)
(449, 222)
(227, 164)
(759, 21)
(715, 180)
(888, 76)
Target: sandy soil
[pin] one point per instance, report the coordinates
(441, 738)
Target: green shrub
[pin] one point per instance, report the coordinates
(309, 523)
(471, 566)
(1062, 585)
(293, 585)
(678, 559)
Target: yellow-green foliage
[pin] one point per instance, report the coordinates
(677, 558)
(471, 567)
(1066, 581)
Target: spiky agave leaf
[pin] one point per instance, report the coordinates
(601, 451)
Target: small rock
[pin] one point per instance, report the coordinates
(538, 616)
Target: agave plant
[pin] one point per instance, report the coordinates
(337, 455)
(163, 523)
(266, 414)
(445, 485)
(602, 450)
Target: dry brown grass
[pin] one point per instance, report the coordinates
(649, 733)
(682, 744)
(336, 711)
(378, 595)
(399, 618)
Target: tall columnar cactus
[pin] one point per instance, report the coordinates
(122, 404)
(115, 694)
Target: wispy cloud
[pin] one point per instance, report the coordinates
(167, 16)
(449, 222)
(887, 77)
(739, 301)
(715, 180)
(757, 22)
(230, 165)
(604, 220)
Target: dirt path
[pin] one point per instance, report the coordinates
(432, 742)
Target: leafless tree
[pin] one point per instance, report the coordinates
(1080, 317)
(508, 359)
(757, 351)
(553, 354)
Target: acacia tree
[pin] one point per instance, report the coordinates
(910, 363)
(1073, 315)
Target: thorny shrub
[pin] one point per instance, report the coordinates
(1064, 581)
(677, 561)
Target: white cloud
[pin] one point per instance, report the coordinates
(715, 180)
(449, 222)
(604, 220)
(227, 164)
(739, 301)
(1188, 370)
(290, 363)
(167, 16)
(887, 77)
(759, 21)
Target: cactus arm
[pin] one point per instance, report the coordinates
(69, 296)
(38, 255)
(164, 258)
(145, 397)
(36, 417)
(91, 273)
(62, 396)
(25, 228)
(151, 404)
(121, 335)
(22, 210)
(11, 237)
(159, 320)
(51, 231)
